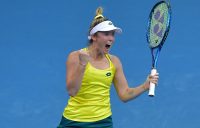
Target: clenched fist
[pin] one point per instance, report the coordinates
(83, 57)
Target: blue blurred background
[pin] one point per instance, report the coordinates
(36, 37)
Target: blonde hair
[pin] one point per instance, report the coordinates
(97, 19)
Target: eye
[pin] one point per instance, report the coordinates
(107, 33)
(112, 33)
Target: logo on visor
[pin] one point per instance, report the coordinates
(110, 23)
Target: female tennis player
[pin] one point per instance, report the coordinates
(90, 73)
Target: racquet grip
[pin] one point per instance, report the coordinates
(152, 85)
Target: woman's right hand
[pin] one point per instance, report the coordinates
(83, 57)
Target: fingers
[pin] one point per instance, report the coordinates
(83, 57)
(154, 78)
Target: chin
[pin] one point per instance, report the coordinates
(106, 51)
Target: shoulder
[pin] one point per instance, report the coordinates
(75, 53)
(115, 60)
(73, 56)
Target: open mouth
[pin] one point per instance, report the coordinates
(108, 46)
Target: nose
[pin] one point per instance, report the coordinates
(111, 37)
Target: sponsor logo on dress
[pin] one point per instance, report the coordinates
(108, 74)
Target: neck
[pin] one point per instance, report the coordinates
(95, 52)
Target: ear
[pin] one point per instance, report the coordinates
(94, 37)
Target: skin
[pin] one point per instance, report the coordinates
(77, 61)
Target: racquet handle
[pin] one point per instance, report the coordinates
(152, 85)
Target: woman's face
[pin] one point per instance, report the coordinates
(104, 40)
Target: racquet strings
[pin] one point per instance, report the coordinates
(158, 24)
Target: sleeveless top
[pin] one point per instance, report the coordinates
(92, 102)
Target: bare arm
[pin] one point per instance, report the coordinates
(123, 90)
(75, 71)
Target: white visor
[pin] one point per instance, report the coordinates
(104, 26)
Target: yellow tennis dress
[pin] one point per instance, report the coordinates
(92, 102)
